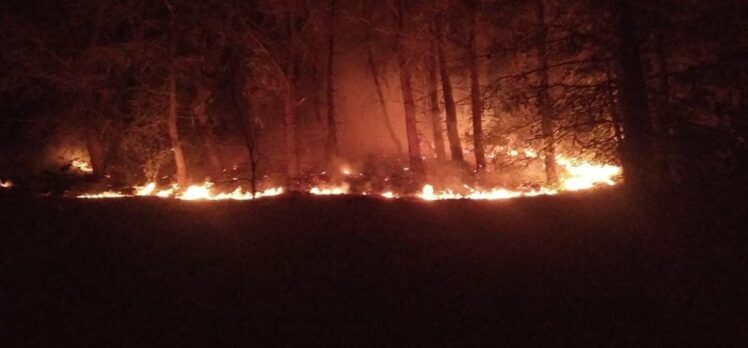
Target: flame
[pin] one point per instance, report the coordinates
(389, 195)
(82, 166)
(585, 175)
(6, 184)
(146, 190)
(204, 192)
(346, 170)
(429, 194)
(107, 194)
(577, 174)
(197, 192)
(328, 191)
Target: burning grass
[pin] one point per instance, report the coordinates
(577, 175)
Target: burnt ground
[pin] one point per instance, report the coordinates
(584, 269)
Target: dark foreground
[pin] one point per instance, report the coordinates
(574, 270)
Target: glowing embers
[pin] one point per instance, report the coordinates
(6, 184)
(429, 194)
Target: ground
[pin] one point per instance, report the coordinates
(599, 268)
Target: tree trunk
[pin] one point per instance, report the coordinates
(411, 127)
(545, 107)
(176, 146)
(199, 107)
(453, 134)
(436, 122)
(380, 95)
(289, 107)
(94, 147)
(475, 95)
(332, 129)
(636, 151)
(289, 116)
(242, 107)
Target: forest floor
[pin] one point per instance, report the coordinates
(596, 268)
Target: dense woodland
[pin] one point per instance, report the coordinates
(182, 91)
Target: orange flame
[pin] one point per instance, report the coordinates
(82, 166)
(429, 194)
(330, 191)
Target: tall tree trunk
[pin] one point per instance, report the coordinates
(332, 129)
(411, 127)
(199, 107)
(94, 147)
(380, 95)
(545, 107)
(636, 151)
(475, 95)
(453, 134)
(289, 116)
(242, 105)
(289, 106)
(176, 146)
(436, 122)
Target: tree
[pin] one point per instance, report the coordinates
(433, 91)
(199, 111)
(332, 132)
(636, 149)
(545, 106)
(411, 128)
(374, 71)
(453, 134)
(475, 93)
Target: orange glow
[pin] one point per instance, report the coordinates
(6, 184)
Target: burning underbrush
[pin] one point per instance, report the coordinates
(390, 180)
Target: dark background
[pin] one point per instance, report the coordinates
(581, 269)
